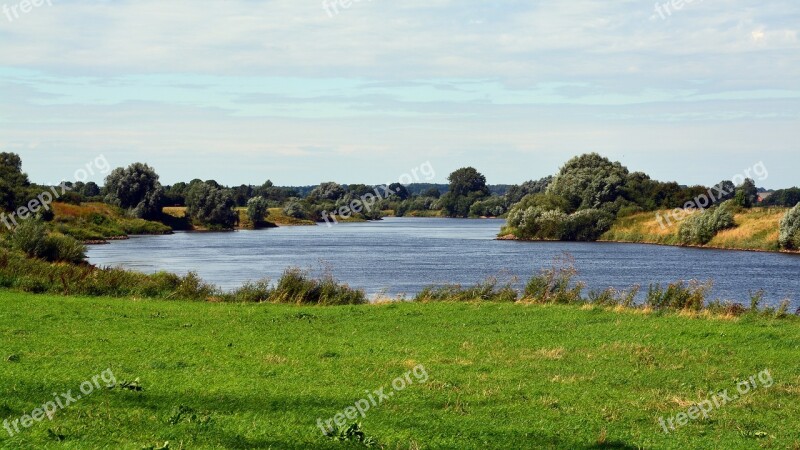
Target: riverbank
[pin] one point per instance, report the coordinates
(757, 229)
(210, 375)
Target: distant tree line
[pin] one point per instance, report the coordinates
(580, 202)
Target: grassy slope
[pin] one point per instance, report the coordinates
(98, 221)
(501, 375)
(757, 229)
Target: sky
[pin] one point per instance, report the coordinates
(305, 91)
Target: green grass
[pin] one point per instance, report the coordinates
(501, 375)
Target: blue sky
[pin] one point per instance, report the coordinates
(242, 91)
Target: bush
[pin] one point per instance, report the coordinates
(535, 222)
(700, 228)
(30, 237)
(64, 249)
(296, 210)
(493, 206)
(487, 291)
(587, 225)
(790, 229)
(678, 295)
(296, 287)
(555, 285)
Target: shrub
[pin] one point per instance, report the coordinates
(64, 249)
(613, 297)
(257, 292)
(790, 229)
(296, 210)
(487, 291)
(555, 285)
(535, 222)
(678, 295)
(295, 286)
(587, 225)
(700, 228)
(30, 237)
(192, 287)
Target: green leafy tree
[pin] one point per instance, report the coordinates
(784, 197)
(327, 191)
(431, 192)
(257, 210)
(91, 189)
(747, 194)
(589, 181)
(136, 190)
(516, 193)
(212, 206)
(13, 182)
(399, 191)
(467, 186)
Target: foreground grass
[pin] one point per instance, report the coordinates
(756, 229)
(501, 375)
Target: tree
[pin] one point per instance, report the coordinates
(467, 186)
(327, 191)
(242, 194)
(13, 181)
(784, 197)
(257, 210)
(399, 191)
(432, 192)
(724, 190)
(212, 206)
(136, 190)
(516, 193)
(747, 194)
(91, 189)
(589, 181)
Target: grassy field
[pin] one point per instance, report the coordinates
(498, 375)
(756, 229)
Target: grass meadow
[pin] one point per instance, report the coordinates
(500, 375)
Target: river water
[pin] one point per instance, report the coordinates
(402, 255)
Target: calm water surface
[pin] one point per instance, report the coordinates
(402, 255)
